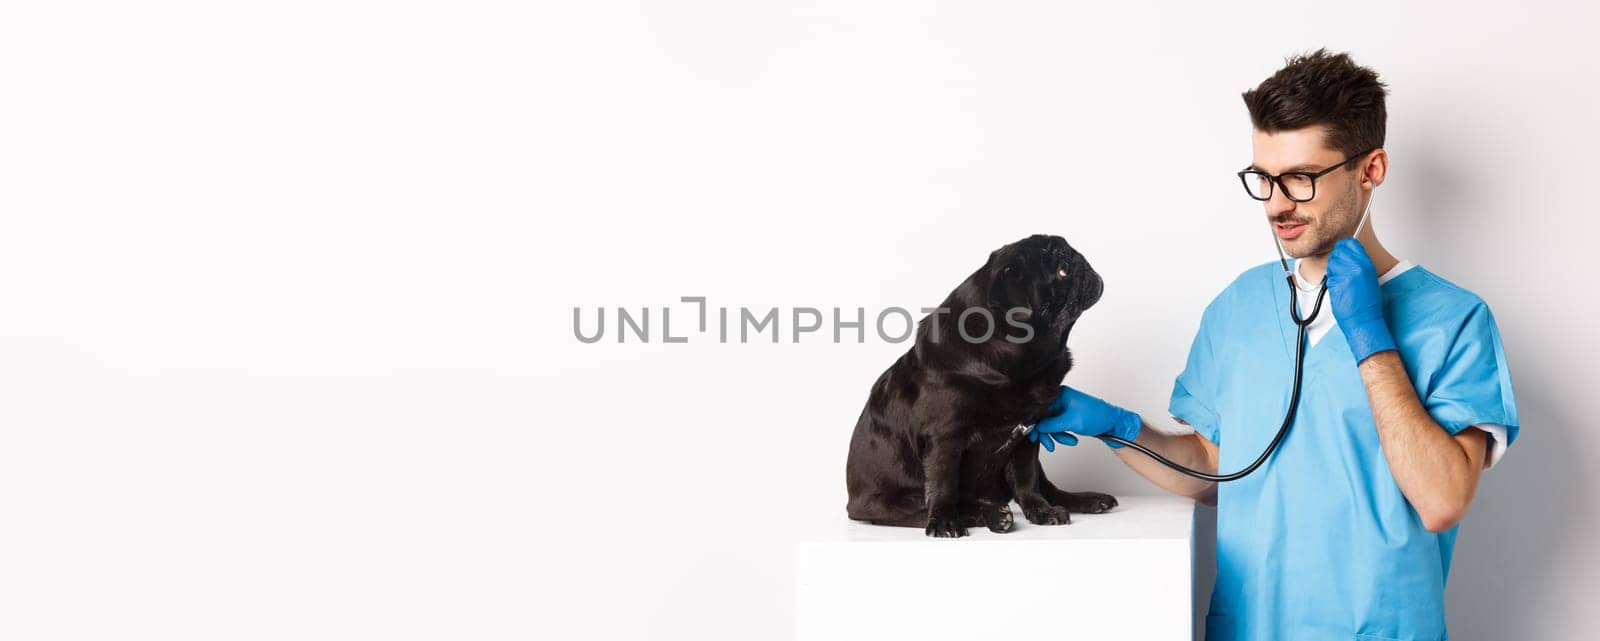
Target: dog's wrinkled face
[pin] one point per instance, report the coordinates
(1045, 275)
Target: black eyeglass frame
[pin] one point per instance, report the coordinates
(1244, 179)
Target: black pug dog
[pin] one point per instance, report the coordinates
(942, 441)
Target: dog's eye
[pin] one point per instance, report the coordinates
(1061, 270)
(1007, 271)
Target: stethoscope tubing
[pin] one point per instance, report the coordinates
(1288, 418)
(1299, 368)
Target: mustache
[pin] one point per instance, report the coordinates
(1286, 220)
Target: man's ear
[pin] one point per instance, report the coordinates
(1376, 169)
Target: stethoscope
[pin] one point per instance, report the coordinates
(1299, 366)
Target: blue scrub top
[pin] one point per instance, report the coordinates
(1320, 543)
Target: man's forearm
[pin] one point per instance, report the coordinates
(1437, 472)
(1190, 450)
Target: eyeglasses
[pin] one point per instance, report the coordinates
(1298, 186)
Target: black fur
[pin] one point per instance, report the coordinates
(940, 444)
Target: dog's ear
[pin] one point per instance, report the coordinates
(974, 291)
(1000, 289)
(989, 272)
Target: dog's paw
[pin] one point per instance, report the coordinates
(945, 527)
(999, 519)
(1088, 502)
(1047, 515)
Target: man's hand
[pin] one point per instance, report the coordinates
(1357, 300)
(1075, 412)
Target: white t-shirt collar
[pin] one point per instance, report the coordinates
(1399, 268)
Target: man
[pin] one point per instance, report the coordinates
(1347, 531)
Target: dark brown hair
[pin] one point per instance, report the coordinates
(1321, 88)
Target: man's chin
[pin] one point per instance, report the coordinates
(1307, 248)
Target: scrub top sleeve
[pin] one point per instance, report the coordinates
(1473, 385)
(1193, 401)
(1497, 442)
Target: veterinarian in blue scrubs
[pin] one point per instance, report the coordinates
(1347, 531)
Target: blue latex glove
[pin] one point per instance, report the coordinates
(1357, 300)
(1075, 412)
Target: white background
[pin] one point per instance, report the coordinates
(286, 289)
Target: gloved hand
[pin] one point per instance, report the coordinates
(1357, 300)
(1075, 412)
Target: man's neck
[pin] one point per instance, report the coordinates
(1313, 267)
